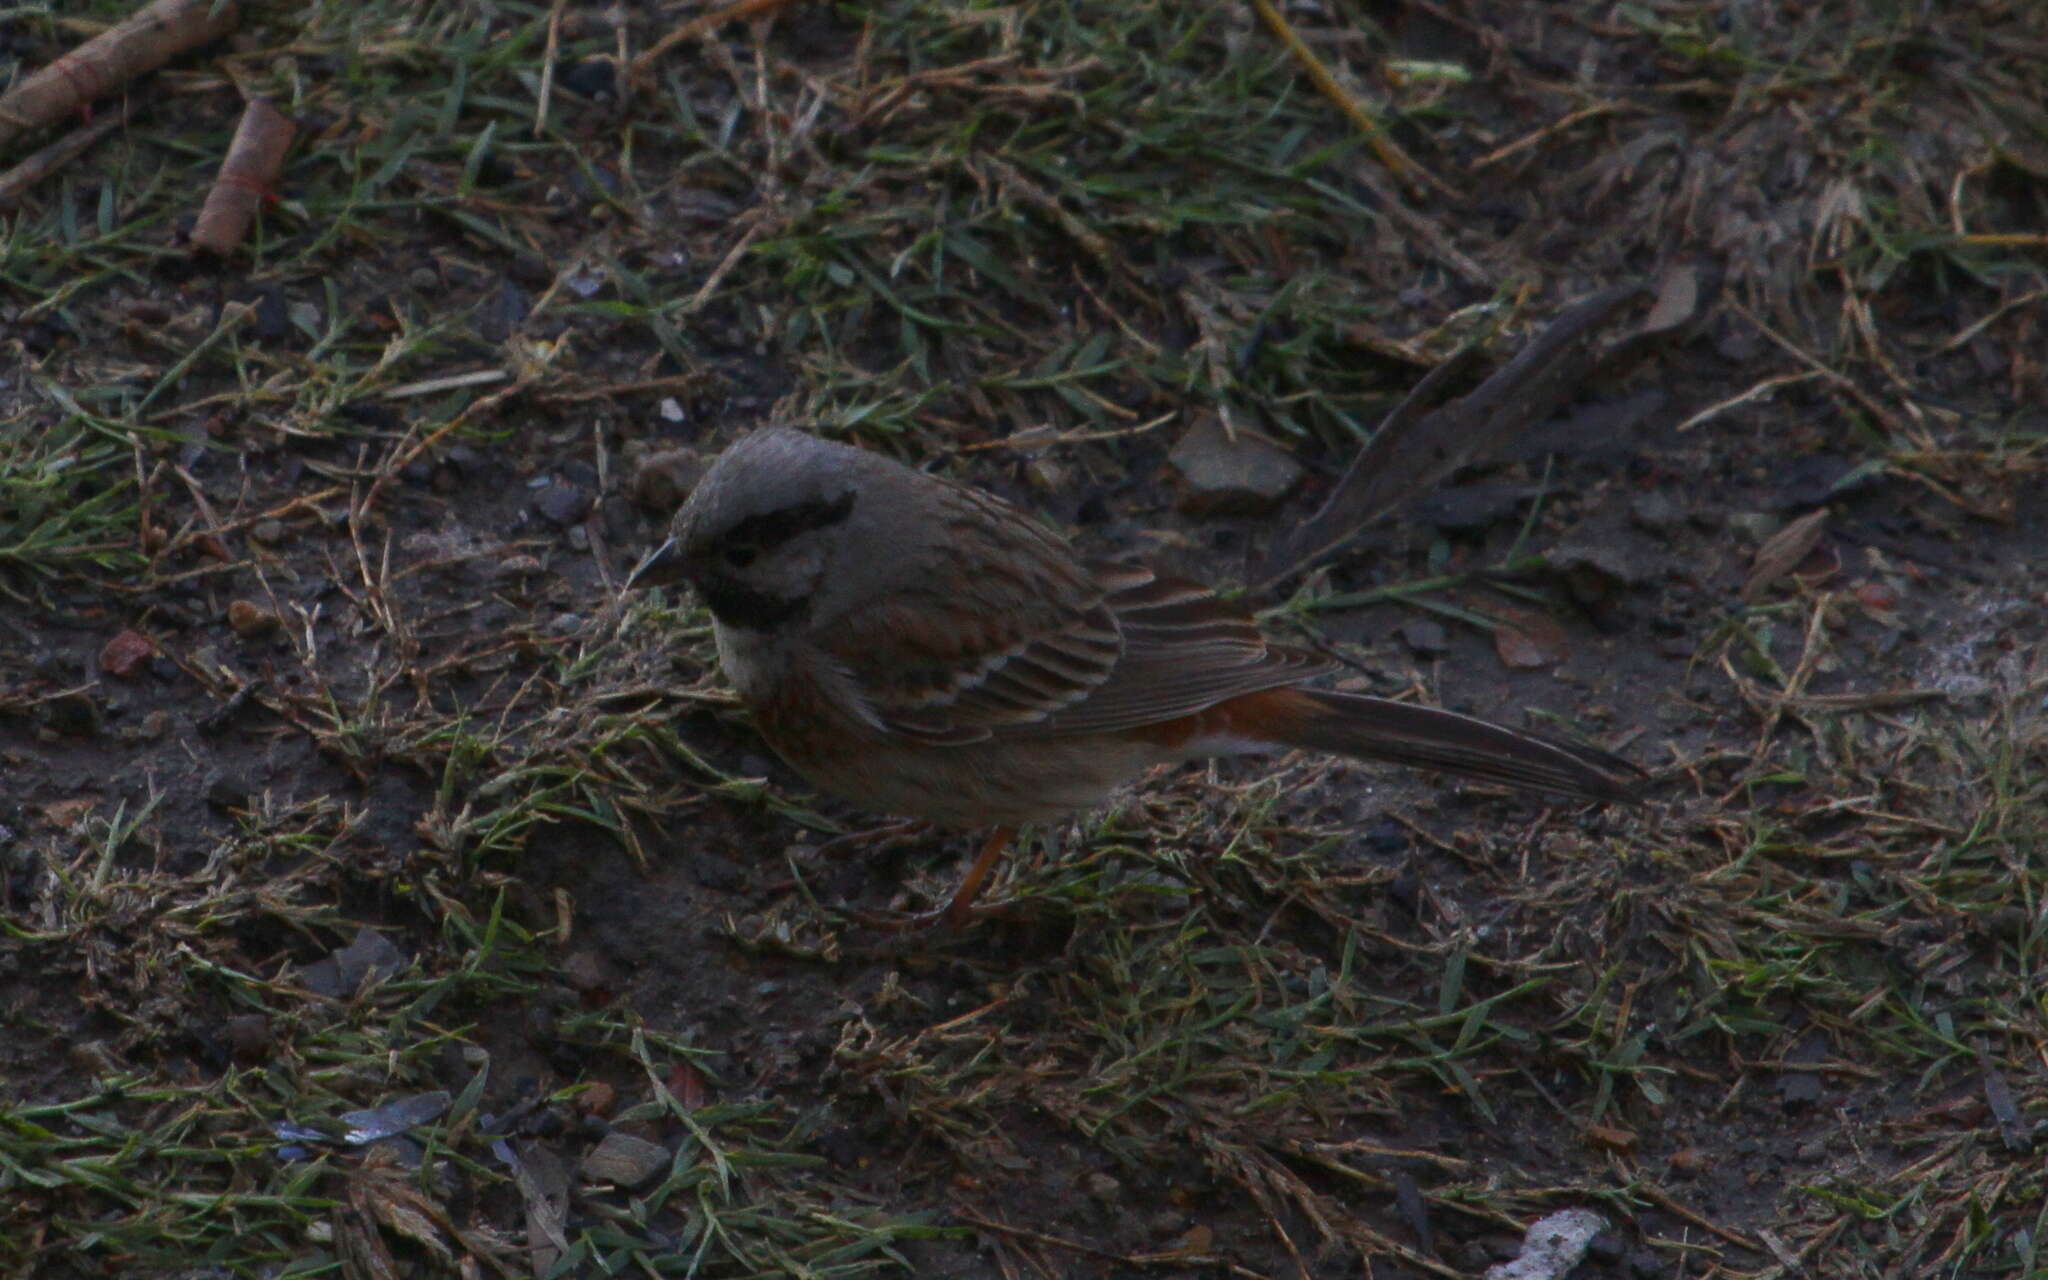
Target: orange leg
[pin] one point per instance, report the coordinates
(961, 909)
(872, 840)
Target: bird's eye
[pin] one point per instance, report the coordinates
(739, 557)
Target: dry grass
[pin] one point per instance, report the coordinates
(1789, 1023)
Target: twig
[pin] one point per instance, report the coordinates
(644, 64)
(1663, 1200)
(1412, 175)
(1413, 450)
(547, 70)
(138, 44)
(15, 183)
(251, 166)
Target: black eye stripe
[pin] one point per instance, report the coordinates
(737, 605)
(771, 529)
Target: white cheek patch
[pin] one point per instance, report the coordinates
(742, 660)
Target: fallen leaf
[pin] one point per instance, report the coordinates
(124, 655)
(1783, 552)
(66, 813)
(1526, 641)
(1610, 1138)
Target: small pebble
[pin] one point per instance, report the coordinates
(125, 655)
(663, 479)
(250, 620)
(249, 1038)
(586, 972)
(225, 791)
(562, 504)
(1756, 526)
(1424, 636)
(625, 1161)
(1226, 474)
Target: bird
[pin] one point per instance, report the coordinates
(925, 649)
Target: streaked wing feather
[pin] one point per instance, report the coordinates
(1023, 634)
(1184, 651)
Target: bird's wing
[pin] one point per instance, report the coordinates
(1184, 650)
(1011, 631)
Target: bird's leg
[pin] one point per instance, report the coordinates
(874, 839)
(961, 909)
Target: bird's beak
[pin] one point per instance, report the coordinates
(664, 566)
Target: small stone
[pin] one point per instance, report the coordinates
(249, 1038)
(541, 1025)
(516, 566)
(250, 620)
(1424, 636)
(1231, 474)
(1103, 1187)
(126, 654)
(152, 728)
(1047, 474)
(503, 312)
(562, 504)
(2009, 923)
(1757, 526)
(597, 1099)
(715, 871)
(74, 714)
(1798, 1091)
(664, 478)
(1471, 508)
(586, 973)
(226, 792)
(94, 1058)
(1656, 512)
(844, 1147)
(625, 1161)
(1386, 838)
(592, 78)
(268, 532)
(369, 955)
(1604, 552)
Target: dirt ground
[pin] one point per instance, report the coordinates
(311, 624)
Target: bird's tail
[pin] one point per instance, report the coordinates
(1363, 728)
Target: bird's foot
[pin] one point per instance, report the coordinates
(873, 840)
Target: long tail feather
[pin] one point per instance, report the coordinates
(1396, 732)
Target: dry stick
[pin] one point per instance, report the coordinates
(252, 164)
(15, 183)
(547, 70)
(1412, 175)
(644, 64)
(139, 43)
(1413, 451)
